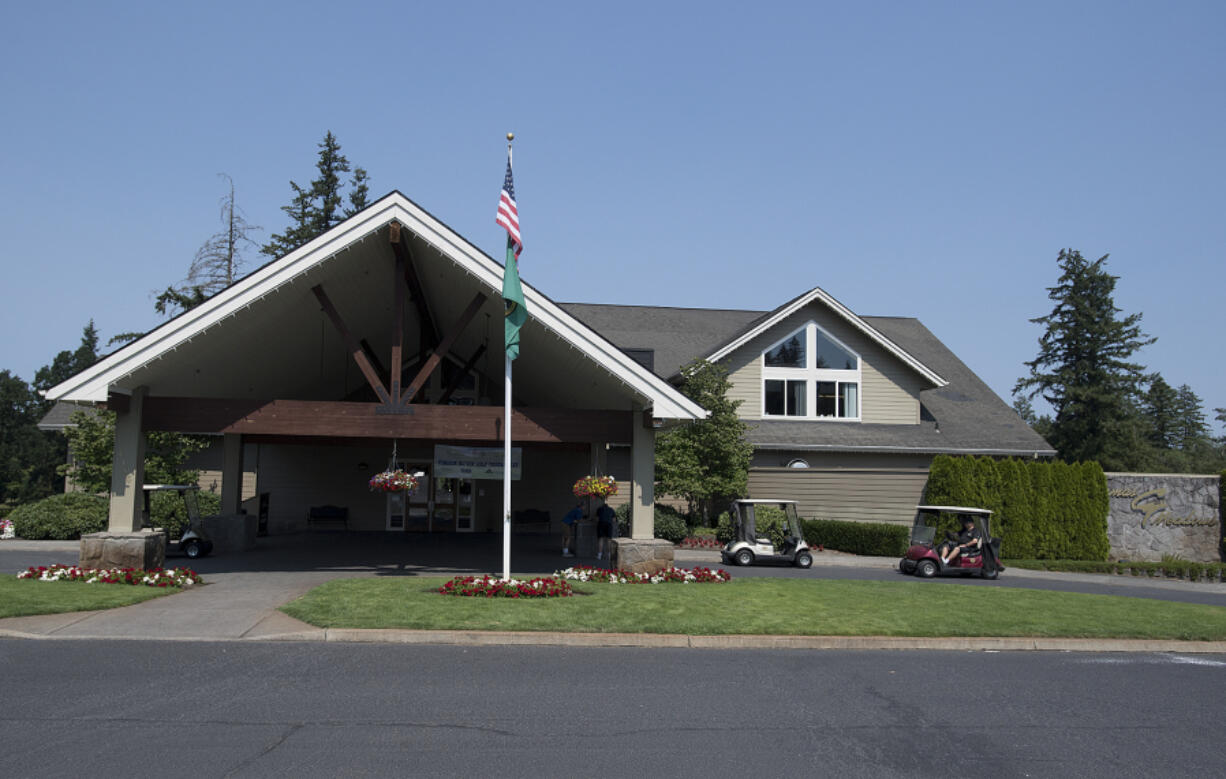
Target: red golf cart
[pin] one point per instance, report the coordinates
(923, 558)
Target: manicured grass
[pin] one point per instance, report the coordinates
(26, 597)
(764, 606)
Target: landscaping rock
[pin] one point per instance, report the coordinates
(143, 549)
(648, 556)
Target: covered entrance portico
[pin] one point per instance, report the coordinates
(372, 338)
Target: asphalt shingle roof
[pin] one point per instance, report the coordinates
(965, 416)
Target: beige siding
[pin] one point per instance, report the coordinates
(890, 388)
(860, 489)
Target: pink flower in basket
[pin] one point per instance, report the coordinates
(393, 481)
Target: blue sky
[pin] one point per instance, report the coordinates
(912, 159)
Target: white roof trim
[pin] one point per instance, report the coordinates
(93, 384)
(817, 293)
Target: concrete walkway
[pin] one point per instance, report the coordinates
(242, 593)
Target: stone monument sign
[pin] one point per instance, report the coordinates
(1164, 513)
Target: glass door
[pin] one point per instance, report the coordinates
(465, 507)
(419, 503)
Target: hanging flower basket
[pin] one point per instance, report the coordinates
(393, 481)
(595, 487)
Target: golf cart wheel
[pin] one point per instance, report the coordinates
(804, 560)
(743, 557)
(992, 574)
(193, 549)
(926, 569)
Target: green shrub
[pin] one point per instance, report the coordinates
(670, 527)
(702, 532)
(60, 517)
(723, 528)
(866, 538)
(670, 523)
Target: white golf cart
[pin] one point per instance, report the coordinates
(766, 530)
(192, 540)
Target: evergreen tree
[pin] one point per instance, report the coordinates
(318, 207)
(67, 364)
(1083, 369)
(359, 192)
(708, 461)
(1162, 415)
(1190, 429)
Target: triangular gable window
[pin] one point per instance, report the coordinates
(810, 374)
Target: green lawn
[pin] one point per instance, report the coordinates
(25, 597)
(764, 606)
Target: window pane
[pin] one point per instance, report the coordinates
(796, 398)
(789, 354)
(831, 355)
(774, 397)
(849, 405)
(827, 400)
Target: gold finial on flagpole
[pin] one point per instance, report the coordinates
(510, 137)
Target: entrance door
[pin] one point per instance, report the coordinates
(440, 505)
(454, 508)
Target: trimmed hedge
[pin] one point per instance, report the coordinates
(1041, 510)
(1174, 569)
(866, 538)
(63, 517)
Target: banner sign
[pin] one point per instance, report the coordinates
(469, 462)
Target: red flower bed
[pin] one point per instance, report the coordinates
(490, 587)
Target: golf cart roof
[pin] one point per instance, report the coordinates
(956, 510)
(158, 487)
(764, 500)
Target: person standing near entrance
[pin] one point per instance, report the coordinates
(568, 528)
(605, 522)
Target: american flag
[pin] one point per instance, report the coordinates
(508, 214)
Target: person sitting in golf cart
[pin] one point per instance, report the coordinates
(969, 541)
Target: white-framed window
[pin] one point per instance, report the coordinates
(810, 374)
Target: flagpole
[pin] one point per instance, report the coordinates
(506, 441)
(506, 473)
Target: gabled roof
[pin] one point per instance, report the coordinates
(817, 294)
(962, 415)
(148, 356)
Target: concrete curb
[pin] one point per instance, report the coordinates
(681, 641)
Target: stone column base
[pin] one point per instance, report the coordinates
(142, 549)
(648, 556)
(231, 533)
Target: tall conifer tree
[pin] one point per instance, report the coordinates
(1084, 368)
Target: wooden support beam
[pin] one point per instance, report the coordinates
(459, 376)
(397, 329)
(310, 419)
(423, 375)
(400, 246)
(369, 351)
(351, 343)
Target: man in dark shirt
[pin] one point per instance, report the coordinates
(968, 542)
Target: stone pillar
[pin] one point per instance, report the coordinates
(128, 468)
(643, 479)
(231, 474)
